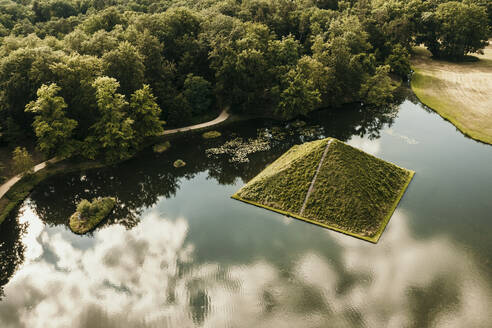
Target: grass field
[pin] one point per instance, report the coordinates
(354, 193)
(459, 92)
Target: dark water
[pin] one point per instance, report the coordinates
(179, 252)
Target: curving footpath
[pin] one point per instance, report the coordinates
(224, 115)
(7, 185)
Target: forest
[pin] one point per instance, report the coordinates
(97, 77)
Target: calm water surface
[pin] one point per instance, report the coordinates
(179, 252)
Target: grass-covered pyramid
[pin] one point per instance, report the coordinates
(331, 184)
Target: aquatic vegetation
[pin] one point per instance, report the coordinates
(298, 124)
(331, 184)
(179, 163)
(162, 147)
(90, 214)
(239, 150)
(211, 134)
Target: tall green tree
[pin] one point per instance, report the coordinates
(198, 93)
(378, 89)
(299, 97)
(51, 125)
(145, 113)
(113, 134)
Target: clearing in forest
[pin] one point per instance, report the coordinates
(459, 92)
(331, 184)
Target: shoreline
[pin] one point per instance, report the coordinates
(458, 92)
(17, 189)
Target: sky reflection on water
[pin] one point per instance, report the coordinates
(180, 253)
(146, 277)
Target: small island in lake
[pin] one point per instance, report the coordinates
(331, 184)
(179, 163)
(90, 214)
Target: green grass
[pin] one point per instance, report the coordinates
(458, 91)
(421, 83)
(284, 184)
(101, 208)
(354, 193)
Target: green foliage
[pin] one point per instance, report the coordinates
(75, 75)
(2, 168)
(84, 208)
(399, 61)
(378, 89)
(90, 214)
(179, 111)
(198, 94)
(113, 133)
(52, 127)
(145, 114)
(126, 65)
(273, 57)
(455, 29)
(299, 97)
(22, 161)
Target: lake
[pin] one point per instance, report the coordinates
(178, 252)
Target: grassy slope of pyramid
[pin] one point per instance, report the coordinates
(354, 192)
(284, 183)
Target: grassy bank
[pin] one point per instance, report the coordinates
(354, 193)
(23, 188)
(459, 92)
(20, 190)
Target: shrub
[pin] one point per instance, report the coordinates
(84, 208)
(23, 162)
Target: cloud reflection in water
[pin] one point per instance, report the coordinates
(146, 277)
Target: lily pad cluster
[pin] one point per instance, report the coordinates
(238, 149)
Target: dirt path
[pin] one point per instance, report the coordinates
(311, 187)
(224, 115)
(12, 181)
(459, 92)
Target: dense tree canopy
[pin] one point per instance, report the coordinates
(51, 125)
(113, 71)
(455, 29)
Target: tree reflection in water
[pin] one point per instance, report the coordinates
(11, 249)
(137, 184)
